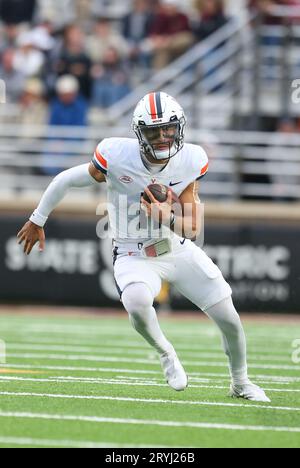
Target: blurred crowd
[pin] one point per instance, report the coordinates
(59, 58)
(271, 10)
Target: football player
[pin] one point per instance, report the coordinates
(163, 248)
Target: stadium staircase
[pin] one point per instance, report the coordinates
(243, 71)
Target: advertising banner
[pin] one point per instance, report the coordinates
(259, 261)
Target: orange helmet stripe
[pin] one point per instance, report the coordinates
(153, 108)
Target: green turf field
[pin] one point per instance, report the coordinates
(93, 382)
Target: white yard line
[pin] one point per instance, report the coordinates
(114, 381)
(203, 380)
(118, 342)
(97, 337)
(147, 422)
(79, 369)
(126, 344)
(33, 322)
(142, 352)
(82, 330)
(148, 400)
(68, 443)
(125, 330)
(67, 357)
(100, 382)
(272, 378)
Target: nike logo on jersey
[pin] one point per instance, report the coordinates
(176, 183)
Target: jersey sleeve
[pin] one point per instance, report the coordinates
(101, 157)
(200, 163)
(204, 170)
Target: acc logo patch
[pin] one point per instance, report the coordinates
(126, 179)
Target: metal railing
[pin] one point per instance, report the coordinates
(250, 75)
(242, 164)
(185, 66)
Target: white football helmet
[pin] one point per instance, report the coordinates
(159, 123)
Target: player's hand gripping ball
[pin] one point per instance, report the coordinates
(160, 201)
(160, 193)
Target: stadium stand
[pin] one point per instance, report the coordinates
(233, 66)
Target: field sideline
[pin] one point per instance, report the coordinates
(91, 381)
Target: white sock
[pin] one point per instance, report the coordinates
(234, 340)
(138, 301)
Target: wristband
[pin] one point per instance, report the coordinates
(38, 219)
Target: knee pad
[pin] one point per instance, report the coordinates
(137, 298)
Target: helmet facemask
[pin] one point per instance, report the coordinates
(162, 141)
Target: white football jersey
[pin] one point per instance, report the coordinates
(127, 177)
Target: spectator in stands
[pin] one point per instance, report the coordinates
(99, 7)
(136, 28)
(17, 11)
(83, 11)
(111, 80)
(33, 112)
(211, 17)
(109, 8)
(104, 37)
(170, 34)
(33, 109)
(14, 79)
(28, 59)
(266, 8)
(69, 107)
(41, 37)
(8, 35)
(59, 13)
(73, 59)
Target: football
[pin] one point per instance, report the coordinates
(160, 192)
